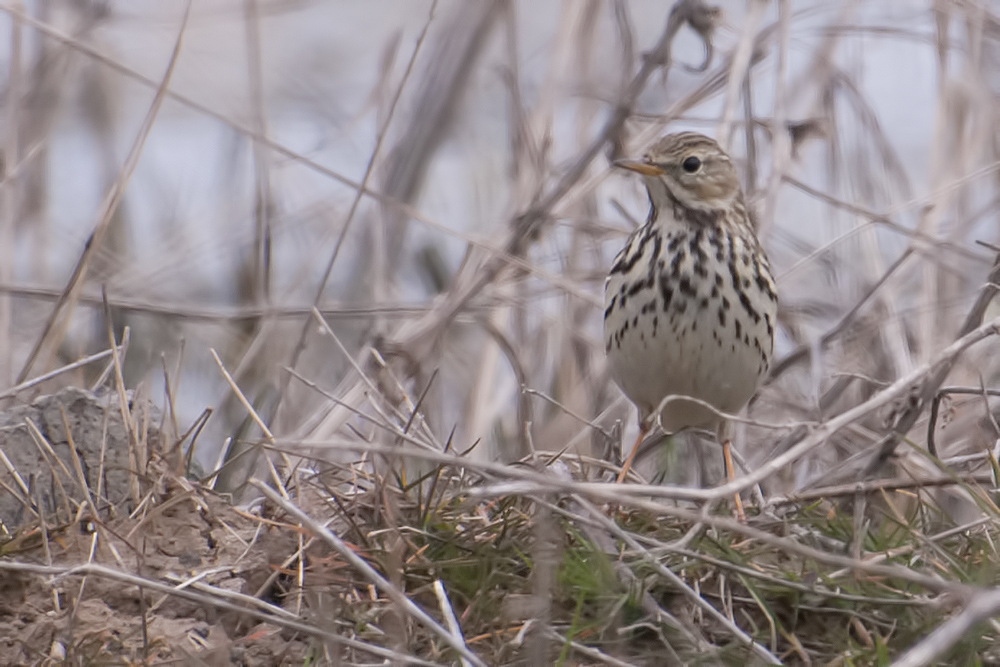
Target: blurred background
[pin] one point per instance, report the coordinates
(434, 179)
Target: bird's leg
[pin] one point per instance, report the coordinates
(644, 427)
(727, 455)
(724, 435)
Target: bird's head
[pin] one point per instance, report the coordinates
(689, 168)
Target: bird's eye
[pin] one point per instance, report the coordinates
(691, 164)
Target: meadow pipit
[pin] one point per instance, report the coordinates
(690, 303)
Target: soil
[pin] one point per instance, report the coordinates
(169, 531)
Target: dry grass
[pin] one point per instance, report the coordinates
(386, 305)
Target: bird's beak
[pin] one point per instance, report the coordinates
(644, 168)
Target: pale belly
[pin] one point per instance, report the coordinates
(686, 328)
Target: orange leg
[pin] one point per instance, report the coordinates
(730, 476)
(643, 430)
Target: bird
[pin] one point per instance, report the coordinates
(690, 303)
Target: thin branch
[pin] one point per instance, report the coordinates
(930, 382)
(369, 572)
(983, 605)
(275, 616)
(58, 321)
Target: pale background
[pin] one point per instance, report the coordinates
(901, 98)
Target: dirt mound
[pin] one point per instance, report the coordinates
(72, 583)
